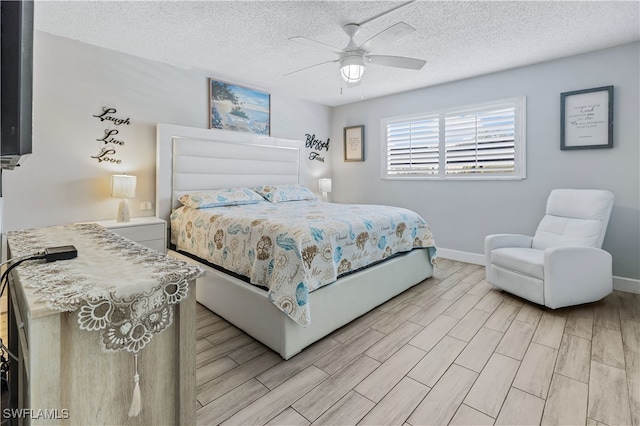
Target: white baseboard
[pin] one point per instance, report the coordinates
(461, 256)
(629, 285)
(626, 284)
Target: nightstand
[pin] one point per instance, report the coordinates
(148, 231)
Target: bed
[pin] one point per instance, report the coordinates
(191, 160)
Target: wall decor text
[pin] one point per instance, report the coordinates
(105, 116)
(586, 118)
(318, 145)
(104, 155)
(315, 156)
(108, 139)
(107, 154)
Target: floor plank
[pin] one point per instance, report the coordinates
(516, 340)
(566, 403)
(289, 417)
(536, 370)
(476, 354)
(393, 341)
(632, 361)
(348, 411)
(430, 368)
(490, 389)
(442, 402)
(322, 397)
(574, 358)
(270, 405)
(283, 371)
(520, 408)
(550, 330)
(431, 335)
(395, 407)
(607, 404)
(607, 347)
(466, 416)
(390, 372)
(230, 403)
(468, 326)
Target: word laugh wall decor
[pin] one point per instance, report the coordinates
(110, 139)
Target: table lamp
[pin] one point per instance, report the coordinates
(123, 187)
(325, 187)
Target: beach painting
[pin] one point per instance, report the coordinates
(238, 108)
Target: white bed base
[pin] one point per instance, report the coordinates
(190, 159)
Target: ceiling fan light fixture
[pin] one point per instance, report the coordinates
(352, 68)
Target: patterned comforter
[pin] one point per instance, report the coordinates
(295, 247)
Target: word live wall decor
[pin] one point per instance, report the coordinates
(110, 143)
(317, 145)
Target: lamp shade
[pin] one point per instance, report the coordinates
(325, 185)
(123, 186)
(352, 68)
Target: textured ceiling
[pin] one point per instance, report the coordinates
(246, 42)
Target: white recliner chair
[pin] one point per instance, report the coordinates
(563, 264)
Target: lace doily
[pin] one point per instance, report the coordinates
(120, 288)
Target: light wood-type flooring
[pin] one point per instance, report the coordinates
(451, 350)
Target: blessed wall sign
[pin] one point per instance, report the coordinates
(316, 145)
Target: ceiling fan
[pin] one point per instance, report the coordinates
(353, 58)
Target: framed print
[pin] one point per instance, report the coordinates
(238, 108)
(354, 143)
(586, 118)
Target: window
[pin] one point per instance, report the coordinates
(478, 142)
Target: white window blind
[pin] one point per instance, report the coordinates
(483, 141)
(412, 147)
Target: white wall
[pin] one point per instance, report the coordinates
(61, 183)
(462, 213)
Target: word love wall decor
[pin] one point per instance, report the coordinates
(317, 145)
(110, 138)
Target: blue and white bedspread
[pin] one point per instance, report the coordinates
(293, 248)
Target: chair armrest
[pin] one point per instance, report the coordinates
(574, 275)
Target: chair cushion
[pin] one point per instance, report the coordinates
(580, 203)
(526, 261)
(555, 231)
(574, 217)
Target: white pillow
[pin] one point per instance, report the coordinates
(220, 197)
(280, 193)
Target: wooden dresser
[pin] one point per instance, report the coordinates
(66, 375)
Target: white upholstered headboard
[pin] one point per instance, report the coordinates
(192, 159)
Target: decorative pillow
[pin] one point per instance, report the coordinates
(280, 193)
(220, 197)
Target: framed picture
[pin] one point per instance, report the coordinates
(586, 118)
(238, 108)
(354, 143)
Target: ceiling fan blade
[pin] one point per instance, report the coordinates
(312, 66)
(314, 43)
(396, 61)
(380, 15)
(391, 34)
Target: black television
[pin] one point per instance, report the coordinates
(16, 73)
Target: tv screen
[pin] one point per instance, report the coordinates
(16, 73)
